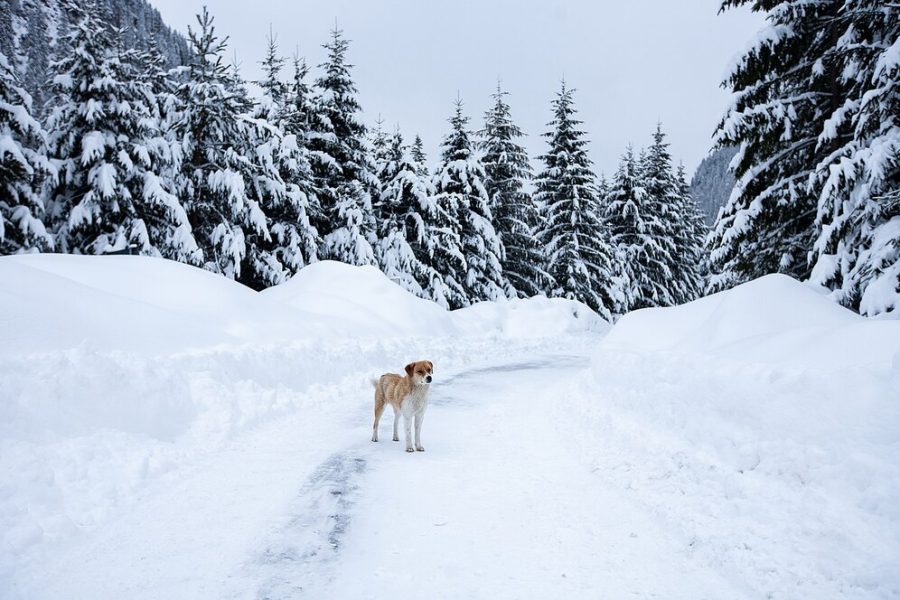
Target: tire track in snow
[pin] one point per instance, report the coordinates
(312, 538)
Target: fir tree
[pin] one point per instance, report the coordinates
(507, 170)
(109, 152)
(402, 246)
(343, 169)
(767, 224)
(285, 180)
(815, 115)
(667, 219)
(417, 152)
(579, 258)
(857, 250)
(639, 234)
(22, 164)
(459, 188)
(215, 171)
(691, 260)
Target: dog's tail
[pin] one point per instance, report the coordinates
(374, 382)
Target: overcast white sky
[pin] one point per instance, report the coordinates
(632, 62)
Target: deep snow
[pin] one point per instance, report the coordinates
(167, 433)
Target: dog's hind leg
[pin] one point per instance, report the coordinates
(396, 422)
(379, 408)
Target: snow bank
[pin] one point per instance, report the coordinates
(128, 303)
(360, 299)
(529, 318)
(119, 370)
(774, 319)
(763, 423)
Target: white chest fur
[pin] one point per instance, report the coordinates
(415, 401)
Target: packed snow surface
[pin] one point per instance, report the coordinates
(165, 432)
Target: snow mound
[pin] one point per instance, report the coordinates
(360, 299)
(773, 319)
(54, 302)
(766, 410)
(529, 318)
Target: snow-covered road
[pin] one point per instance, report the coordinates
(500, 505)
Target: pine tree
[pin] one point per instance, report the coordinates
(459, 189)
(109, 152)
(639, 237)
(815, 114)
(215, 172)
(767, 224)
(507, 170)
(341, 163)
(668, 216)
(579, 257)
(22, 164)
(402, 246)
(417, 152)
(690, 239)
(285, 181)
(857, 250)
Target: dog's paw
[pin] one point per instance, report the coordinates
(420, 448)
(374, 439)
(396, 439)
(410, 450)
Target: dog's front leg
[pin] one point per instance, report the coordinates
(407, 424)
(396, 423)
(420, 416)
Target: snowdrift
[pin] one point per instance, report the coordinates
(774, 319)
(766, 422)
(529, 318)
(360, 300)
(118, 370)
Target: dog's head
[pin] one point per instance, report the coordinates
(420, 372)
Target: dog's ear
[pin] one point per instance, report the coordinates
(430, 365)
(409, 369)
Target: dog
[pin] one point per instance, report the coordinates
(408, 396)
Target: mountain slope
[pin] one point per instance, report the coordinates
(30, 29)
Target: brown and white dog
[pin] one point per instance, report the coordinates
(407, 396)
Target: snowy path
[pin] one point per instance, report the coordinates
(500, 505)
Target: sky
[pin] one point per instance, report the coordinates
(632, 63)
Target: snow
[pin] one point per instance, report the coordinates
(371, 303)
(767, 423)
(166, 432)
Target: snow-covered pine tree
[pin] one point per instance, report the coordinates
(385, 163)
(640, 237)
(417, 152)
(579, 257)
(459, 189)
(786, 86)
(668, 229)
(515, 215)
(343, 168)
(22, 163)
(435, 240)
(401, 248)
(857, 182)
(109, 151)
(215, 172)
(690, 239)
(284, 178)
